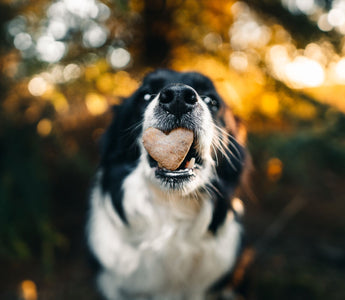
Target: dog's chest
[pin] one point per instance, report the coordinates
(172, 254)
(166, 244)
(164, 248)
(170, 239)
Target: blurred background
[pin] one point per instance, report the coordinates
(279, 64)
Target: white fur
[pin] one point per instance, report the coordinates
(206, 135)
(166, 248)
(166, 252)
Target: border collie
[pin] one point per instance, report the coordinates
(162, 234)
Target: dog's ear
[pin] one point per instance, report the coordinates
(235, 126)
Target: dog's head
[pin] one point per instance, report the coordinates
(168, 100)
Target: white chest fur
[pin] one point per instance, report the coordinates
(165, 249)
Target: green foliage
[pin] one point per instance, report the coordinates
(308, 154)
(23, 188)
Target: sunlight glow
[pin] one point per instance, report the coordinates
(239, 61)
(300, 71)
(103, 12)
(57, 11)
(307, 7)
(340, 69)
(22, 41)
(317, 53)
(246, 31)
(95, 36)
(278, 57)
(59, 101)
(71, 71)
(82, 8)
(323, 23)
(49, 49)
(64, 19)
(96, 104)
(37, 86)
(269, 104)
(119, 58)
(336, 17)
(105, 83)
(57, 28)
(212, 41)
(304, 72)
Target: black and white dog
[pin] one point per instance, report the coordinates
(162, 234)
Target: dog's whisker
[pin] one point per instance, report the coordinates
(231, 139)
(224, 150)
(225, 145)
(211, 188)
(134, 127)
(214, 148)
(234, 145)
(229, 158)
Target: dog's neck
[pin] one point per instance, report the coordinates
(157, 205)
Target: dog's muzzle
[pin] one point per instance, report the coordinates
(177, 106)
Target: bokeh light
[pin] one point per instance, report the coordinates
(28, 290)
(323, 23)
(50, 50)
(269, 104)
(57, 28)
(307, 7)
(37, 86)
(119, 58)
(64, 18)
(71, 71)
(82, 8)
(274, 169)
(96, 104)
(17, 25)
(239, 61)
(22, 41)
(95, 36)
(340, 70)
(304, 72)
(44, 127)
(212, 41)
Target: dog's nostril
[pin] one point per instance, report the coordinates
(178, 99)
(190, 96)
(166, 96)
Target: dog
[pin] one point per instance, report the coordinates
(159, 233)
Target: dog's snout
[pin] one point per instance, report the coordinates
(178, 99)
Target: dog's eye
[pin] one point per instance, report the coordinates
(147, 97)
(212, 103)
(207, 100)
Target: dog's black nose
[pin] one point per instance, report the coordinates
(178, 99)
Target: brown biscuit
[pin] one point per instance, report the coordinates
(169, 150)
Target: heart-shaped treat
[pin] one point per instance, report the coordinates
(169, 150)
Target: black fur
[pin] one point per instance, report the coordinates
(120, 152)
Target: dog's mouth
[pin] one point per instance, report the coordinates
(175, 156)
(185, 171)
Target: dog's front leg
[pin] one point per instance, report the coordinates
(107, 284)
